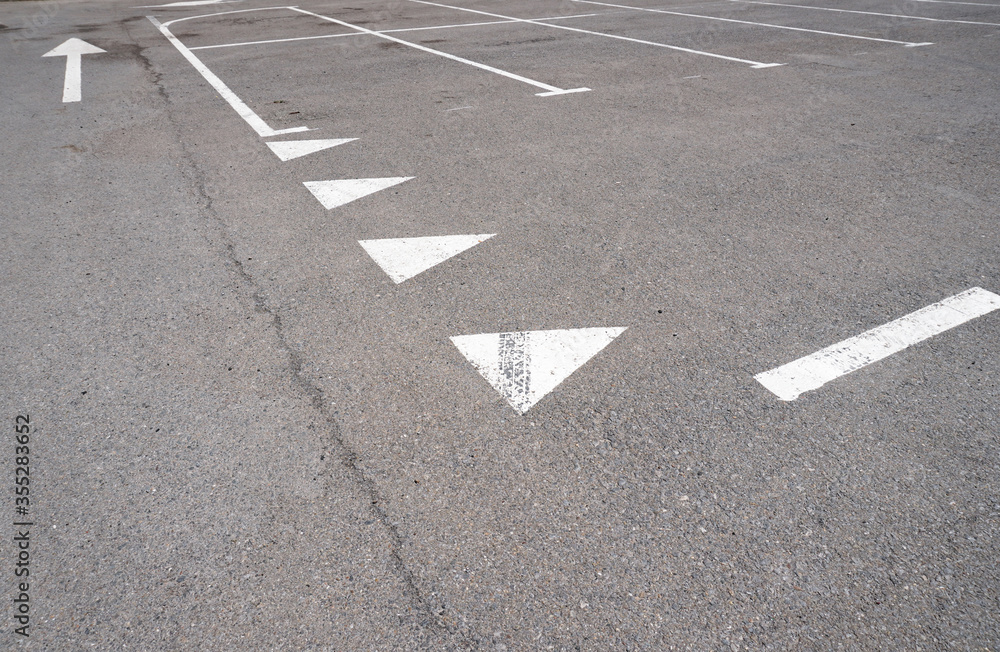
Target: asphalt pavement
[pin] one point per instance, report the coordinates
(480, 325)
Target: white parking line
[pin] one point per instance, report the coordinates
(908, 44)
(384, 31)
(255, 121)
(866, 13)
(813, 371)
(954, 2)
(549, 89)
(220, 13)
(754, 64)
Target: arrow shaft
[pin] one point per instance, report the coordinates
(71, 85)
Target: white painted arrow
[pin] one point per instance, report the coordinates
(73, 50)
(403, 258)
(286, 150)
(526, 366)
(342, 191)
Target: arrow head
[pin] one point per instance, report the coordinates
(72, 47)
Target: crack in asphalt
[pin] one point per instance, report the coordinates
(433, 618)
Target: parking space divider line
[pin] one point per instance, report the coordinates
(222, 13)
(788, 381)
(255, 121)
(549, 89)
(908, 44)
(865, 13)
(753, 64)
(384, 31)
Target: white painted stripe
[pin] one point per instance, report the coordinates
(275, 40)
(866, 13)
(551, 90)
(747, 22)
(754, 64)
(73, 49)
(221, 13)
(290, 149)
(813, 371)
(404, 258)
(188, 3)
(953, 2)
(73, 82)
(342, 191)
(384, 31)
(525, 367)
(244, 111)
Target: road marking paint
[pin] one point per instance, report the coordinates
(384, 31)
(274, 40)
(788, 381)
(524, 367)
(458, 108)
(342, 191)
(908, 44)
(289, 149)
(403, 258)
(954, 2)
(188, 3)
(692, 77)
(866, 13)
(550, 90)
(73, 49)
(244, 111)
(753, 64)
(222, 13)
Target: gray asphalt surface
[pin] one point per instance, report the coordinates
(247, 436)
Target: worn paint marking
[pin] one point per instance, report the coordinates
(255, 121)
(525, 366)
(788, 381)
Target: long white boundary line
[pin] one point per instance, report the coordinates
(753, 64)
(908, 44)
(866, 13)
(221, 13)
(813, 371)
(384, 31)
(245, 112)
(953, 2)
(549, 90)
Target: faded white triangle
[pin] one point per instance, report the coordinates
(342, 191)
(403, 258)
(526, 366)
(289, 149)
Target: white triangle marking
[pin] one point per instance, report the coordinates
(526, 366)
(342, 191)
(289, 149)
(403, 258)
